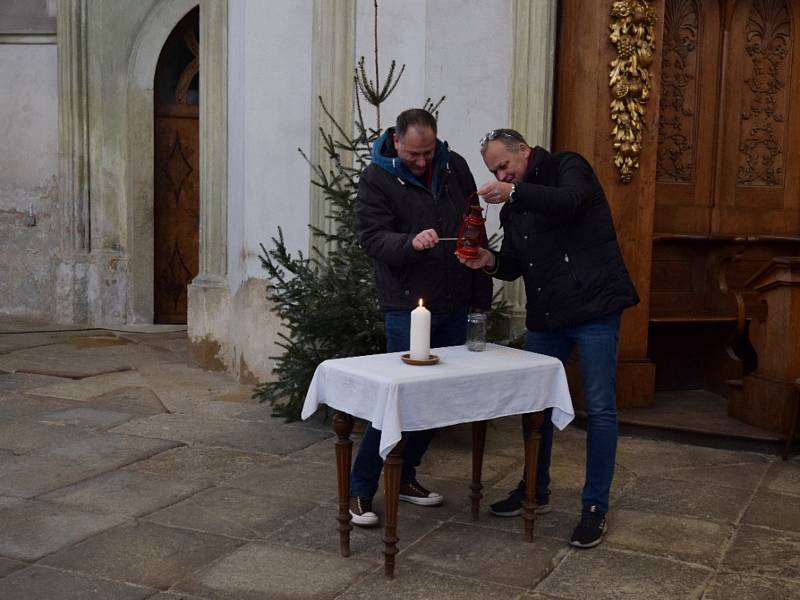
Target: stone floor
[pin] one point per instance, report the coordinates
(126, 475)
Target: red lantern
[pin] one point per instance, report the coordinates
(471, 233)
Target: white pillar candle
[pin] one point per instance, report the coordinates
(420, 333)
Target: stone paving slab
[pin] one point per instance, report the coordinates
(657, 457)
(487, 554)
(62, 358)
(417, 584)
(706, 501)
(555, 524)
(233, 512)
(139, 401)
(602, 573)
(90, 387)
(269, 438)
(105, 451)
(16, 406)
(23, 436)
(681, 538)
(290, 478)
(727, 586)
(259, 571)
(783, 477)
(8, 566)
(30, 475)
(122, 492)
(317, 531)
(778, 511)
(20, 382)
(50, 584)
(34, 529)
(85, 417)
(201, 464)
(759, 551)
(745, 476)
(144, 554)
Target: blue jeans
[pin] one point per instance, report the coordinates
(598, 343)
(446, 330)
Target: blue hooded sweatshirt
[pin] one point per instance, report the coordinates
(385, 156)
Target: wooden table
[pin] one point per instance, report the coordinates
(464, 387)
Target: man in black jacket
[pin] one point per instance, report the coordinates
(559, 237)
(415, 191)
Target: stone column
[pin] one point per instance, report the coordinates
(209, 296)
(333, 61)
(532, 74)
(73, 189)
(214, 143)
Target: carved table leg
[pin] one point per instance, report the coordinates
(531, 423)
(343, 427)
(392, 468)
(478, 445)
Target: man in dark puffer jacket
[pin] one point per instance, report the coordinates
(414, 192)
(559, 237)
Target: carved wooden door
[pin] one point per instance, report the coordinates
(729, 137)
(177, 167)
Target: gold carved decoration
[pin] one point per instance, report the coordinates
(633, 35)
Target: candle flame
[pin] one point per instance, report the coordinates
(420, 302)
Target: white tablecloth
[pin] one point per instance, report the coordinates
(463, 387)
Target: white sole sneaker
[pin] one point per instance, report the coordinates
(433, 499)
(368, 519)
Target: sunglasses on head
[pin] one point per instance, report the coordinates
(497, 133)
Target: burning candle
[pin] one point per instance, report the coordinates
(420, 333)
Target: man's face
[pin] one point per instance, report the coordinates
(506, 165)
(416, 149)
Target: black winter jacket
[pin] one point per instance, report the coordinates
(558, 236)
(392, 207)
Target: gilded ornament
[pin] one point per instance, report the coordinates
(633, 36)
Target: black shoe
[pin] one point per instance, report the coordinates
(512, 506)
(589, 531)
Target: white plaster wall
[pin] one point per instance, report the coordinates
(28, 177)
(269, 103)
(461, 49)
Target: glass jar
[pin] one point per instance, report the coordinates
(476, 332)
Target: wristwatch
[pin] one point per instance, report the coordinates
(512, 195)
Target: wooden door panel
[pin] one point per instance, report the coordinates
(177, 214)
(687, 126)
(760, 137)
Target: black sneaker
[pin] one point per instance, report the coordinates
(361, 512)
(512, 506)
(589, 531)
(412, 491)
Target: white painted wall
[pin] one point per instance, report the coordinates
(28, 177)
(457, 48)
(461, 49)
(269, 103)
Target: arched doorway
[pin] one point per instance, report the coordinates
(176, 206)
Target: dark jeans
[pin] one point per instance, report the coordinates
(598, 343)
(446, 330)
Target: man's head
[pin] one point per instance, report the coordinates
(506, 154)
(415, 139)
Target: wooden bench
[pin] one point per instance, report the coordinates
(700, 308)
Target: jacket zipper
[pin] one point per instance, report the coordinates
(571, 270)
